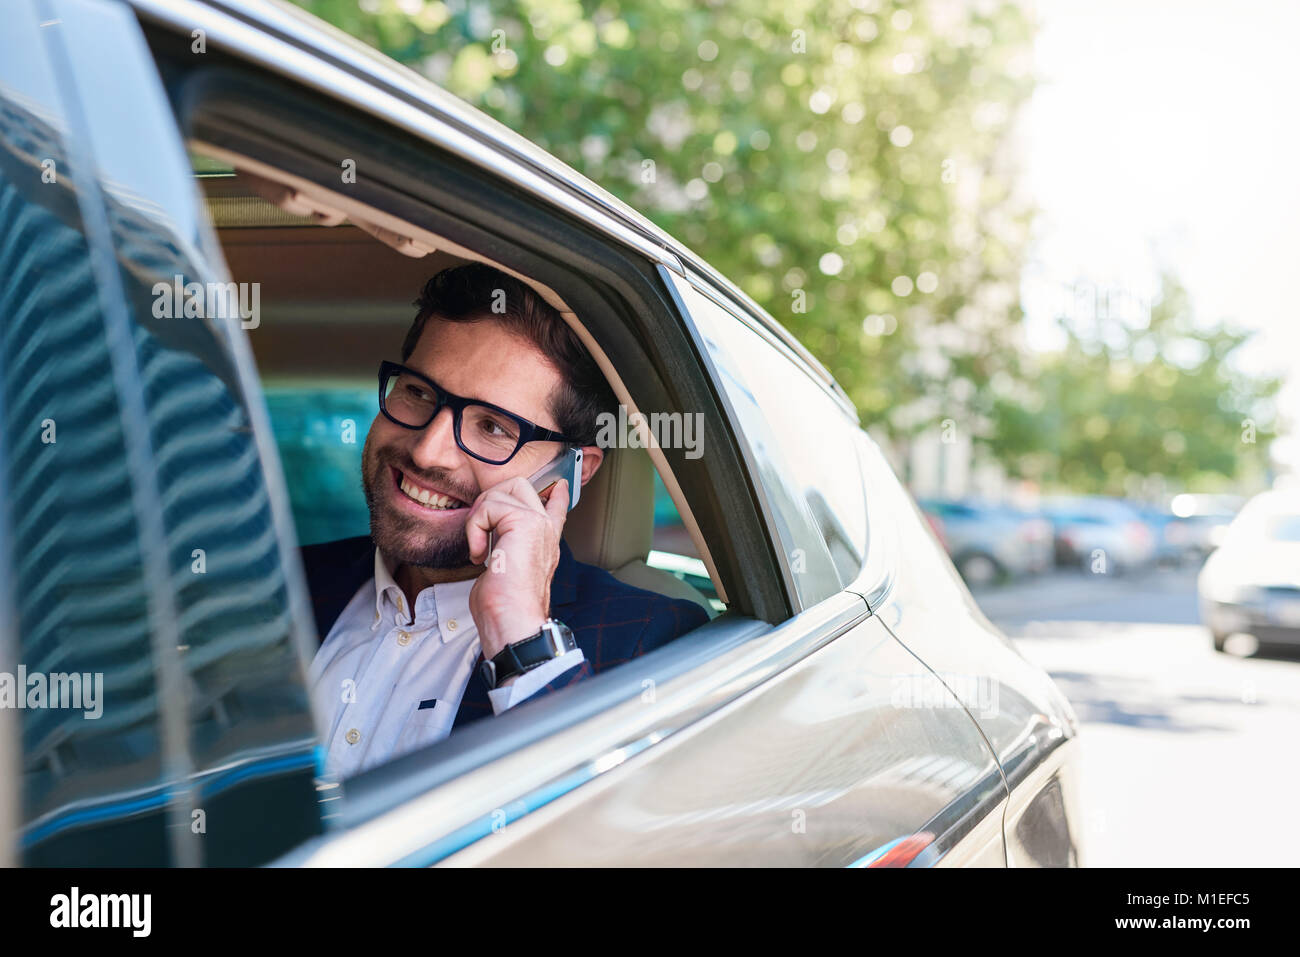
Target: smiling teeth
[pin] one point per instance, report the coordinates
(427, 498)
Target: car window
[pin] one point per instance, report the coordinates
(78, 565)
(1262, 520)
(320, 430)
(147, 560)
(1285, 528)
(804, 444)
(673, 550)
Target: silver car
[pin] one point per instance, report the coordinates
(1250, 584)
(182, 229)
(989, 541)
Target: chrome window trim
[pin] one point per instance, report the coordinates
(453, 815)
(756, 314)
(786, 344)
(352, 69)
(875, 580)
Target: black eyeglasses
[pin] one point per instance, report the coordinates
(488, 432)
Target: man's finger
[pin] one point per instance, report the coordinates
(557, 506)
(483, 517)
(517, 491)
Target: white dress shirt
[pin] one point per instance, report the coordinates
(379, 662)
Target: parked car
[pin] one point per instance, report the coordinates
(1166, 533)
(1200, 522)
(989, 541)
(1251, 583)
(847, 683)
(1099, 535)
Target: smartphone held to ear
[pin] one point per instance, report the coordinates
(568, 466)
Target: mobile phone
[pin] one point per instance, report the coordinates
(567, 465)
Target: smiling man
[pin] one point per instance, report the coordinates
(464, 600)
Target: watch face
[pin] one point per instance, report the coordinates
(561, 637)
(489, 672)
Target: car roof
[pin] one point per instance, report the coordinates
(280, 22)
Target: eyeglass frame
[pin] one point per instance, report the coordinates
(528, 431)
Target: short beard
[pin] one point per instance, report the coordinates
(401, 538)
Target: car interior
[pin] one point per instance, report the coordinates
(337, 283)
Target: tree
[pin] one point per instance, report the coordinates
(846, 162)
(1132, 397)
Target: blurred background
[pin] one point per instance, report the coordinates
(1043, 246)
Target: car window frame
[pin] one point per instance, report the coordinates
(626, 288)
(785, 512)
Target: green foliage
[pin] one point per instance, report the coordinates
(849, 163)
(1157, 397)
(814, 153)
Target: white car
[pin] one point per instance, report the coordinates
(1100, 535)
(1251, 583)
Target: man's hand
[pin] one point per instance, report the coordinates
(512, 598)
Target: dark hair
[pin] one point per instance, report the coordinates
(477, 292)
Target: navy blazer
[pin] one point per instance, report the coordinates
(611, 621)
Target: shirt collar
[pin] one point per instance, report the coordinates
(387, 591)
(448, 600)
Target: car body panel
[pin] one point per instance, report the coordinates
(851, 747)
(1250, 584)
(1022, 713)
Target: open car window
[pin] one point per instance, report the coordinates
(334, 299)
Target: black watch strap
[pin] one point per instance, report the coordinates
(553, 640)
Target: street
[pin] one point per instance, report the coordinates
(1189, 754)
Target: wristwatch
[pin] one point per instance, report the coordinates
(553, 640)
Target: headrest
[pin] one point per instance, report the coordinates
(613, 523)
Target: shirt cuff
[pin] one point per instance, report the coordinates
(531, 682)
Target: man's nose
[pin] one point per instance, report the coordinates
(435, 447)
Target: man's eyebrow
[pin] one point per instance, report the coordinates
(466, 398)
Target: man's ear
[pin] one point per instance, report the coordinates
(592, 456)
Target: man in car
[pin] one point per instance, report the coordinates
(465, 563)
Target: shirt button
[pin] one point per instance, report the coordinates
(451, 624)
(403, 637)
(353, 736)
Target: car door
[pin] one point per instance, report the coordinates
(806, 452)
(147, 547)
(820, 741)
(817, 741)
(1018, 708)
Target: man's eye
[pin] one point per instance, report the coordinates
(418, 393)
(495, 429)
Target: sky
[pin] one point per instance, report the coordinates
(1168, 132)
